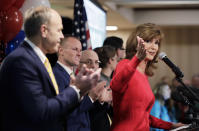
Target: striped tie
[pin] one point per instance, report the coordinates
(52, 77)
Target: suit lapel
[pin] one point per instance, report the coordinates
(64, 72)
(39, 63)
(62, 69)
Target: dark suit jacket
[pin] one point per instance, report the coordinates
(78, 119)
(98, 117)
(28, 99)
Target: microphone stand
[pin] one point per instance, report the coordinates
(190, 102)
(187, 88)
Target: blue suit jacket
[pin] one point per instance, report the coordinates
(28, 99)
(78, 120)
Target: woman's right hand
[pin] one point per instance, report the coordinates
(141, 51)
(179, 125)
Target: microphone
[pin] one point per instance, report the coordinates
(173, 67)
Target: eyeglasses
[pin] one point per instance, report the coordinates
(114, 58)
(122, 48)
(90, 62)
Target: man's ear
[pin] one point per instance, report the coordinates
(110, 61)
(44, 30)
(60, 50)
(117, 51)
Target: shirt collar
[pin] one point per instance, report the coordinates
(37, 50)
(67, 69)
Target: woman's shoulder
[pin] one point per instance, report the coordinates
(121, 64)
(123, 61)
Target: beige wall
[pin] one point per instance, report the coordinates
(181, 44)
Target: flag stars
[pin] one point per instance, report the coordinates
(76, 5)
(82, 29)
(76, 23)
(84, 44)
(83, 37)
(78, 12)
(77, 30)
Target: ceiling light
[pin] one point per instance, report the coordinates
(111, 28)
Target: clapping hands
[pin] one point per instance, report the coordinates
(106, 95)
(96, 92)
(86, 79)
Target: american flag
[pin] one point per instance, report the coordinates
(81, 29)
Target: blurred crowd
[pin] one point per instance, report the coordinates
(171, 105)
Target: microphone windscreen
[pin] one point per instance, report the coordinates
(162, 55)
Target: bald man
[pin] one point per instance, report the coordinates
(99, 118)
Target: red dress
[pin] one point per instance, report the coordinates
(133, 99)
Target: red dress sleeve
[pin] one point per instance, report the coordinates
(158, 123)
(124, 70)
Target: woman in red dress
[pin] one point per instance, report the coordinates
(132, 94)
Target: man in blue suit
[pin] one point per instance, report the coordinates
(29, 99)
(69, 55)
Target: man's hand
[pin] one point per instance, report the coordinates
(96, 92)
(106, 95)
(86, 79)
